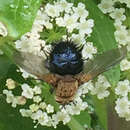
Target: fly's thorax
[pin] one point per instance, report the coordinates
(66, 58)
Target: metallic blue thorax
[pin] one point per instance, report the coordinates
(65, 59)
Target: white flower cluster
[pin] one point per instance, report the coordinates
(123, 88)
(88, 50)
(30, 42)
(73, 19)
(122, 34)
(3, 30)
(40, 112)
(106, 6)
(10, 98)
(123, 104)
(60, 14)
(125, 65)
(100, 87)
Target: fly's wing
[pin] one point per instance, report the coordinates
(31, 63)
(104, 62)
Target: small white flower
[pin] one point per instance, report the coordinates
(100, 91)
(43, 118)
(50, 108)
(42, 105)
(101, 87)
(80, 105)
(37, 99)
(21, 100)
(121, 36)
(3, 30)
(84, 105)
(88, 50)
(65, 6)
(125, 65)
(123, 87)
(122, 106)
(10, 84)
(78, 38)
(106, 6)
(10, 96)
(119, 26)
(37, 90)
(54, 121)
(36, 115)
(51, 10)
(80, 10)
(60, 22)
(117, 14)
(86, 87)
(25, 112)
(102, 79)
(63, 116)
(85, 26)
(76, 109)
(34, 107)
(70, 22)
(14, 102)
(48, 25)
(41, 18)
(27, 91)
(36, 27)
(69, 108)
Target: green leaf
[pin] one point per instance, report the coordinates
(84, 118)
(75, 125)
(48, 97)
(101, 111)
(113, 75)
(18, 15)
(103, 36)
(5, 64)
(127, 21)
(10, 118)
